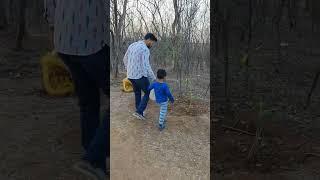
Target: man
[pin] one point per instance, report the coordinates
(139, 72)
(81, 39)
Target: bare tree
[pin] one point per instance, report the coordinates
(21, 24)
(225, 35)
(3, 17)
(216, 26)
(183, 45)
(118, 20)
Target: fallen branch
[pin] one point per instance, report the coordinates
(314, 84)
(312, 154)
(238, 130)
(236, 123)
(301, 144)
(253, 151)
(218, 117)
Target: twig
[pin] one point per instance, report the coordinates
(236, 123)
(253, 149)
(207, 90)
(314, 84)
(218, 117)
(312, 154)
(238, 130)
(287, 168)
(301, 144)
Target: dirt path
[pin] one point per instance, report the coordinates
(140, 151)
(40, 136)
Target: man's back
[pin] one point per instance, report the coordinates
(80, 26)
(136, 61)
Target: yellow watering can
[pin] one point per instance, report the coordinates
(126, 85)
(56, 79)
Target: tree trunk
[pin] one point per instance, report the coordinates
(225, 32)
(248, 47)
(176, 26)
(21, 24)
(118, 33)
(307, 5)
(113, 50)
(278, 35)
(3, 17)
(216, 26)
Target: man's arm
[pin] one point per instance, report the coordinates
(146, 65)
(151, 87)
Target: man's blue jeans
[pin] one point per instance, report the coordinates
(99, 148)
(139, 85)
(90, 74)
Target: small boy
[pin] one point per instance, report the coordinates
(162, 93)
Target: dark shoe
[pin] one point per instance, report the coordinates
(86, 168)
(161, 127)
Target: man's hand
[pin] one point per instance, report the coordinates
(151, 80)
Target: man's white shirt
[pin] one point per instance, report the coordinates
(137, 61)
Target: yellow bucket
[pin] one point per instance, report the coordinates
(126, 85)
(56, 78)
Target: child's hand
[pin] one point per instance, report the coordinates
(171, 107)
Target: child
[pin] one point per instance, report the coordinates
(162, 93)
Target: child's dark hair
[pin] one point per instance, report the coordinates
(161, 73)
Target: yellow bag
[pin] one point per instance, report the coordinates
(126, 85)
(55, 76)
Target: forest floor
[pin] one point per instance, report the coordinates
(289, 146)
(140, 151)
(40, 135)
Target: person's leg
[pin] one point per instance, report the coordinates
(99, 148)
(137, 92)
(96, 66)
(89, 98)
(163, 114)
(144, 83)
(88, 169)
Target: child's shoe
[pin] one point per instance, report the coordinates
(161, 127)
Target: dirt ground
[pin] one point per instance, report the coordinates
(140, 151)
(289, 145)
(39, 135)
(284, 152)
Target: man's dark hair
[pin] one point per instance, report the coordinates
(161, 73)
(151, 37)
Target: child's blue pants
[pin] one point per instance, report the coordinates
(163, 112)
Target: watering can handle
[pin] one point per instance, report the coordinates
(53, 53)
